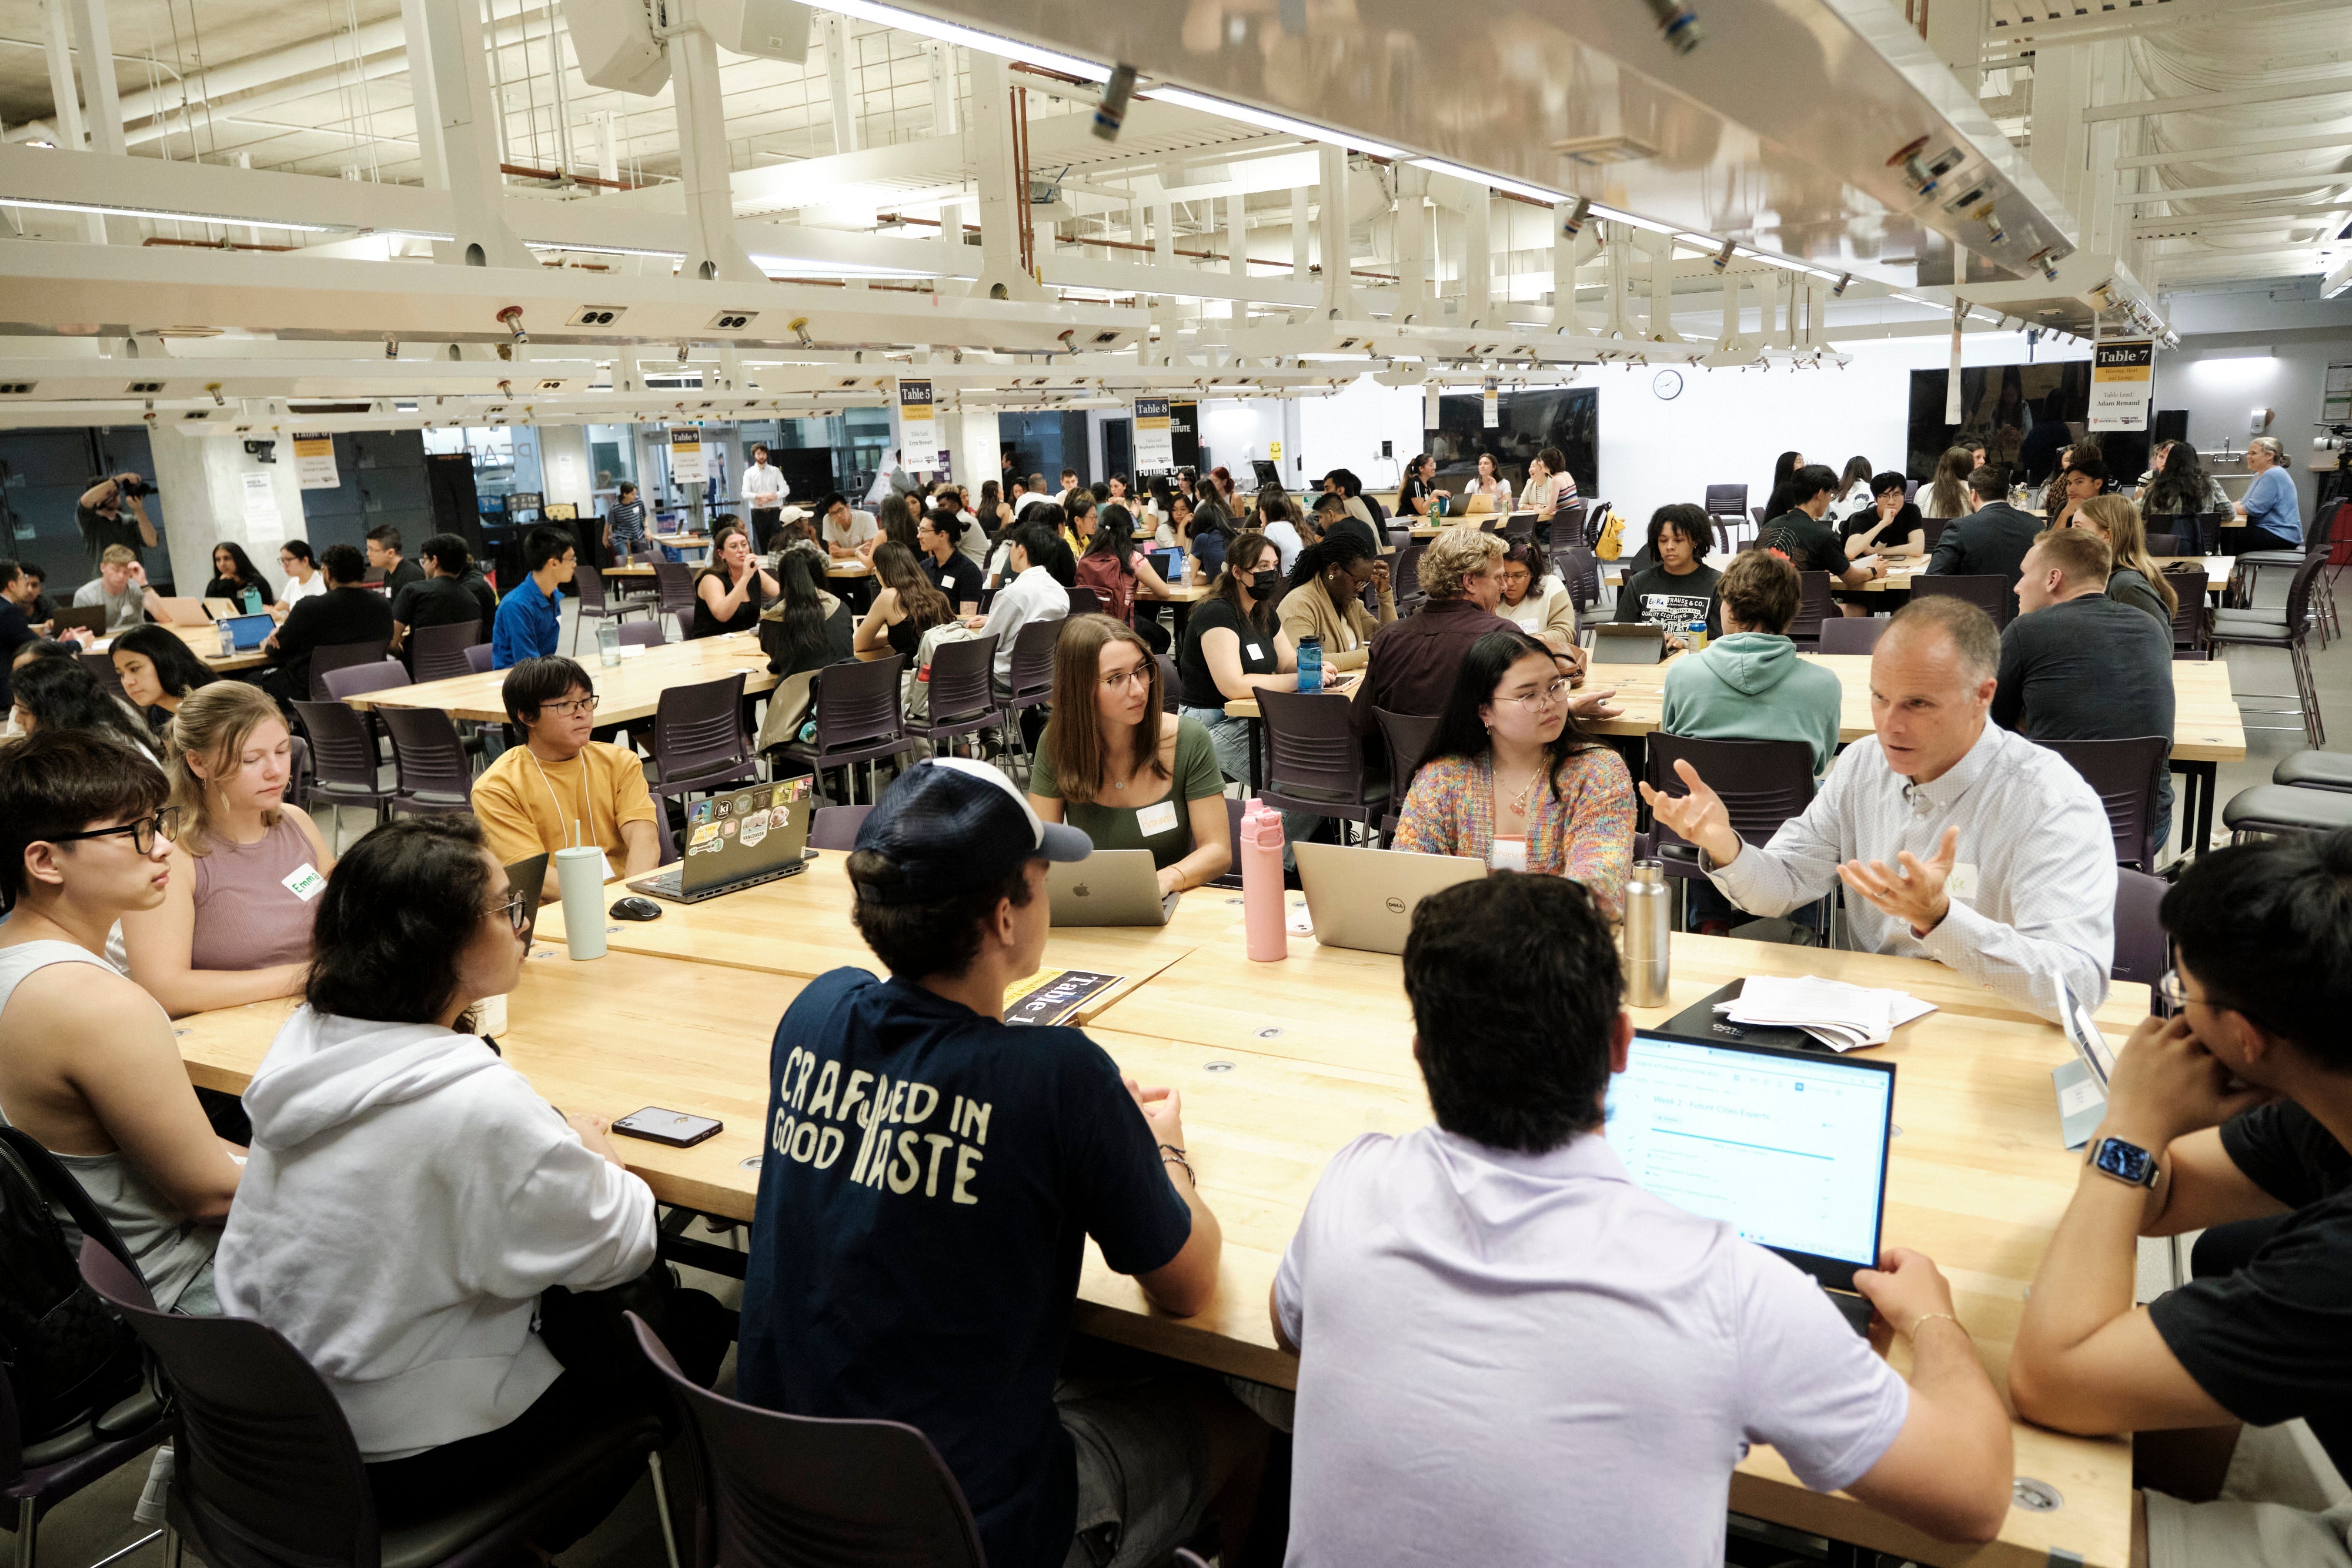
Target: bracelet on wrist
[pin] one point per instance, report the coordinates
(1925, 1318)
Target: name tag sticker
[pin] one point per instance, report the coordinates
(1256, 651)
(305, 882)
(1156, 820)
(1507, 855)
(1962, 881)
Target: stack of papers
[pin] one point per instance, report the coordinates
(1841, 1017)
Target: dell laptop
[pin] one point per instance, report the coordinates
(1109, 888)
(747, 836)
(1789, 1148)
(1365, 898)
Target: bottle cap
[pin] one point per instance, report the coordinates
(1648, 873)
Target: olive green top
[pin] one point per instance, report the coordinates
(1116, 825)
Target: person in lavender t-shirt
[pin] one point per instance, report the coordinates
(1508, 1353)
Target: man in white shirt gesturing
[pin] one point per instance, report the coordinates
(1958, 841)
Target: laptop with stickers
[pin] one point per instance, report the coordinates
(737, 840)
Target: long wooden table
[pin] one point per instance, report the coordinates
(1278, 1069)
(628, 692)
(204, 641)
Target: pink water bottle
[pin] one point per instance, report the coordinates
(1263, 917)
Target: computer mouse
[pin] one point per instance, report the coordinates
(635, 909)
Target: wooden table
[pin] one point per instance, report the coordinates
(2206, 727)
(204, 641)
(630, 690)
(1279, 1070)
(832, 568)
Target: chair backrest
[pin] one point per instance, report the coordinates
(1757, 514)
(809, 1489)
(1168, 678)
(342, 655)
(438, 653)
(2125, 774)
(699, 730)
(1031, 671)
(1407, 736)
(1089, 601)
(2162, 545)
(1816, 607)
(1852, 634)
(1931, 529)
(430, 756)
(673, 587)
(342, 744)
(1763, 782)
(835, 827)
(1596, 517)
(648, 634)
(1310, 749)
(1989, 592)
(962, 680)
(357, 680)
(1910, 489)
(1727, 501)
(268, 1472)
(858, 704)
(2298, 590)
(477, 658)
(588, 587)
(1580, 570)
(1404, 575)
(1567, 524)
(2189, 579)
(2142, 952)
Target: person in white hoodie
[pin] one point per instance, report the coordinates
(408, 1196)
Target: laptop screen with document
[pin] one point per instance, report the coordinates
(1789, 1148)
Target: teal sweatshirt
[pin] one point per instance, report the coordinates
(1751, 686)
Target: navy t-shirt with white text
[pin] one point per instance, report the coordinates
(923, 1267)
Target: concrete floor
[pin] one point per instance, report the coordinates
(98, 1522)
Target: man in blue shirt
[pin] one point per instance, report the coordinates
(932, 1175)
(530, 617)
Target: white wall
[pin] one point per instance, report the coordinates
(1346, 429)
(2221, 393)
(1237, 430)
(565, 473)
(200, 479)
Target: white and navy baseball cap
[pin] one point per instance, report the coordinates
(952, 826)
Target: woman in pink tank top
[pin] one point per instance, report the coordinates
(247, 868)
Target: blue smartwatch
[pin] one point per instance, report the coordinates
(2128, 1162)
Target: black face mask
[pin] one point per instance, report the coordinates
(1263, 583)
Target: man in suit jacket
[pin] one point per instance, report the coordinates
(1991, 539)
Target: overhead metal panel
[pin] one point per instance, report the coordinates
(1784, 129)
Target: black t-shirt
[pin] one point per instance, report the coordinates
(1195, 686)
(480, 587)
(436, 602)
(1658, 598)
(1811, 545)
(929, 1274)
(1346, 524)
(402, 576)
(1415, 490)
(329, 620)
(2274, 1340)
(1897, 530)
(14, 632)
(98, 531)
(2092, 668)
(234, 589)
(960, 580)
(747, 614)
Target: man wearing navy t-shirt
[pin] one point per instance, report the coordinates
(932, 1175)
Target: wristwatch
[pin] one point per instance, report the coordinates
(2128, 1162)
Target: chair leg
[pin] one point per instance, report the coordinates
(661, 1506)
(29, 1523)
(171, 1544)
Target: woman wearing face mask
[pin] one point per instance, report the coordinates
(1325, 600)
(1234, 647)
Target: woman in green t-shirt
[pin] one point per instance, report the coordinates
(1120, 768)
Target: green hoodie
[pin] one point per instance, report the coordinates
(1751, 686)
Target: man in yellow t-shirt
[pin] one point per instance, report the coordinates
(560, 786)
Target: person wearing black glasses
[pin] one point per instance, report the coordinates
(561, 787)
(88, 1066)
(419, 1218)
(2230, 1117)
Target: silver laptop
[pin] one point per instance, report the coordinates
(1109, 888)
(1365, 898)
(1627, 643)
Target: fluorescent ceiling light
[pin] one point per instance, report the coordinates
(2262, 351)
(2337, 281)
(807, 266)
(119, 212)
(1612, 214)
(970, 37)
(605, 249)
(1479, 177)
(1185, 97)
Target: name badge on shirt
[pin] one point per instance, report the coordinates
(1507, 855)
(1156, 820)
(1255, 650)
(305, 882)
(1960, 882)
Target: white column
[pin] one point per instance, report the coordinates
(420, 91)
(1412, 244)
(1237, 248)
(1301, 254)
(461, 94)
(608, 152)
(973, 448)
(1338, 282)
(835, 32)
(564, 474)
(713, 249)
(62, 92)
(941, 60)
(95, 41)
(989, 138)
(1477, 258)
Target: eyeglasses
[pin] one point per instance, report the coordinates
(1550, 695)
(571, 706)
(516, 911)
(142, 832)
(1140, 672)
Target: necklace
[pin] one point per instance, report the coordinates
(1519, 800)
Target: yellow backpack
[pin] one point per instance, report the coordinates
(1611, 543)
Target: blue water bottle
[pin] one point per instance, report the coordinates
(253, 602)
(1310, 665)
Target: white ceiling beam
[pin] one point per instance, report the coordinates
(2316, 179)
(2139, 20)
(2199, 223)
(2334, 83)
(2337, 141)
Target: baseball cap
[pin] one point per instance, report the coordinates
(952, 826)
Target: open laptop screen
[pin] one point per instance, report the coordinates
(1787, 1147)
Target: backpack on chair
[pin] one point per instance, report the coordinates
(1114, 587)
(1612, 541)
(69, 1357)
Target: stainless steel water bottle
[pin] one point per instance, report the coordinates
(1649, 924)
